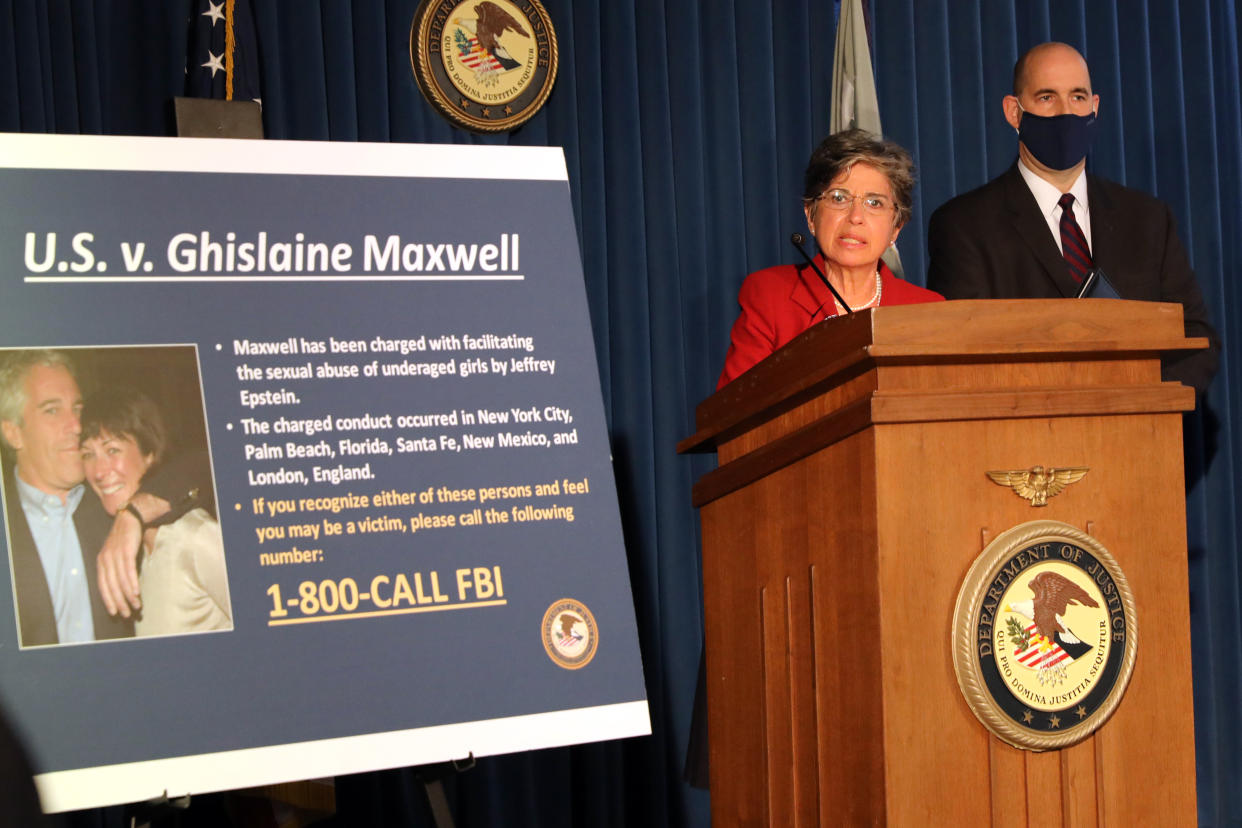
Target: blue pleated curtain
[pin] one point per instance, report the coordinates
(686, 127)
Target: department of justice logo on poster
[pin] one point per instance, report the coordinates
(1045, 635)
(487, 66)
(570, 636)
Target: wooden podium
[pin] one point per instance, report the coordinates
(849, 502)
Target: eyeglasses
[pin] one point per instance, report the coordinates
(842, 200)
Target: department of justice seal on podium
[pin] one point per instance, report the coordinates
(1045, 635)
(570, 636)
(486, 65)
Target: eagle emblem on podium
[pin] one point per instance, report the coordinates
(1043, 640)
(1038, 483)
(1044, 635)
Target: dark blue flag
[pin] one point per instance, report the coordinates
(223, 57)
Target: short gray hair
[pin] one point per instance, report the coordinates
(842, 150)
(15, 365)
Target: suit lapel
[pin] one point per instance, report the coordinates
(1104, 252)
(1033, 229)
(36, 614)
(810, 294)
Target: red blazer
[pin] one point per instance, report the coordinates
(781, 302)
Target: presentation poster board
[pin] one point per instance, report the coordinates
(376, 363)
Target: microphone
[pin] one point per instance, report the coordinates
(1096, 282)
(797, 240)
(1088, 282)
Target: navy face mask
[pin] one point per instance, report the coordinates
(1058, 141)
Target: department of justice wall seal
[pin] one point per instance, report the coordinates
(570, 636)
(486, 65)
(1045, 635)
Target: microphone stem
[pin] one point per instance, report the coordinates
(820, 274)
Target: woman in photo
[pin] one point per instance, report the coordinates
(182, 575)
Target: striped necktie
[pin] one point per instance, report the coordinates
(1073, 242)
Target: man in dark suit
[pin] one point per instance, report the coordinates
(55, 524)
(35, 604)
(1036, 230)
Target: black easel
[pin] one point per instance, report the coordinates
(432, 777)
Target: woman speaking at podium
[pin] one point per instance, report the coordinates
(856, 197)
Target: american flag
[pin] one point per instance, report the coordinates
(223, 56)
(477, 59)
(1035, 657)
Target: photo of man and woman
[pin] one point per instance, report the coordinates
(110, 515)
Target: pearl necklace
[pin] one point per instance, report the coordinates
(873, 302)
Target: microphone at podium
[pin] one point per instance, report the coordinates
(798, 239)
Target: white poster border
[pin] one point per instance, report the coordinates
(197, 773)
(236, 155)
(232, 769)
